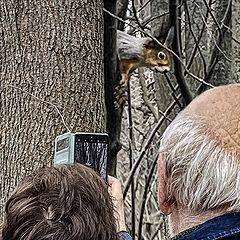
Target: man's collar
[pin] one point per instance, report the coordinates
(219, 227)
(185, 232)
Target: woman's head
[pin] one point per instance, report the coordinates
(63, 202)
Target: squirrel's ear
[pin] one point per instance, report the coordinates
(169, 39)
(150, 44)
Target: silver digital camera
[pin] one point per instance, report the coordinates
(90, 149)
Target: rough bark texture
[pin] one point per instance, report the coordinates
(112, 79)
(54, 51)
(236, 42)
(222, 72)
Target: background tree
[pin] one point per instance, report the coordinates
(208, 48)
(51, 76)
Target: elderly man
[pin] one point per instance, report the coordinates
(199, 167)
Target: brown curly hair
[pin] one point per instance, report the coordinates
(60, 203)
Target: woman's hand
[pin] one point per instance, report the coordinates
(115, 191)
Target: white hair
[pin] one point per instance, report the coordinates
(203, 175)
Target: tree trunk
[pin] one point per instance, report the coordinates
(112, 79)
(236, 41)
(222, 71)
(195, 26)
(221, 51)
(51, 61)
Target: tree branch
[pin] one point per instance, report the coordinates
(111, 80)
(176, 48)
(131, 143)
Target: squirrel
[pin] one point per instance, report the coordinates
(140, 52)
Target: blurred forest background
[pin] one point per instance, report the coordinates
(59, 71)
(208, 44)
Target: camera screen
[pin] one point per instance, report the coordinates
(62, 144)
(92, 150)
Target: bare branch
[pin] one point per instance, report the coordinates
(230, 30)
(156, 231)
(176, 48)
(198, 41)
(135, 15)
(173, 90)
(144, 5)
(214, 19)
(131, 144)
(195, 39)
(121, 12)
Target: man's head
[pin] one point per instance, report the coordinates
(63, 202)
(199, 163)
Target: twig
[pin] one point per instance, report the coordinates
(213, 37)
(173, 90)
(43, 101)
(194, 37)
(214, 19)
(122, 13)
(130, 122)
(135, 15)
(146, 21)
(176, 48)
(144, 5)
(156, 231)
(214, 57)
(230, 30)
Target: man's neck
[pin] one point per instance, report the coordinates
(183, 219)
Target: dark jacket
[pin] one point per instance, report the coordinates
(124, 235)
(223, 227)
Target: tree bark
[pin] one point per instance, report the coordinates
(222, 71)
(51, 59)
(236, 40)
(112, 79)
(221, 54)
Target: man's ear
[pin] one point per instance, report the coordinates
(169, 39)
(163, 186)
